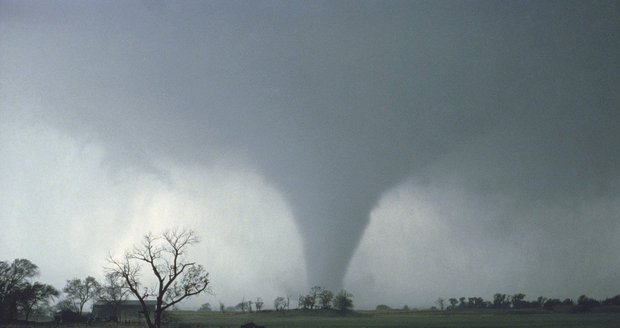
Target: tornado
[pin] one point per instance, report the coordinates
(334, 103)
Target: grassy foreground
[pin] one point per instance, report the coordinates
(410, 319)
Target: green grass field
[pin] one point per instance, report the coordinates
(410, 319)
(294, 319)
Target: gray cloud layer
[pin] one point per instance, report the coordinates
(336, 103)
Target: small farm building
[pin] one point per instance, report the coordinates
(127, 311)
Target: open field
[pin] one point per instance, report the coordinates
(409, 319)
(474, 319)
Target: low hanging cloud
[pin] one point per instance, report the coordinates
(65, 210)
(504, 113)
(514, 221)
(430, 240)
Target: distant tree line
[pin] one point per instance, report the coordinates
(320, 298)
(519, 301)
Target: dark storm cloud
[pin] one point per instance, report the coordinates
(338, 102)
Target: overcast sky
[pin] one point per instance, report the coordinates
(402, 150)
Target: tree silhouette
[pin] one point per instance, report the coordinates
(177, 278)
(343, 301)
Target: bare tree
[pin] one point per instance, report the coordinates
(259, 304)
(113, 291)
(453, 302)
(242, 306)
(343, 301)
(305, 302)
(313, 297)
(325, 297)
(80, 292)
(176, 278)
(206, 307)
(440, 303)
(65, 304)
(279, 303)
(32, 296)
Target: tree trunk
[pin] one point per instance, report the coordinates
(157, 318)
